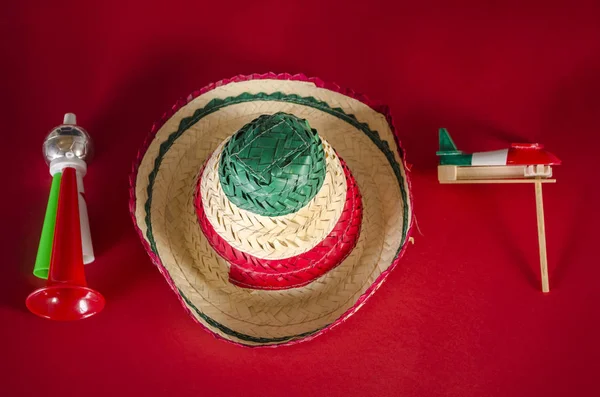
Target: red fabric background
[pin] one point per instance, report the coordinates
(461, 316)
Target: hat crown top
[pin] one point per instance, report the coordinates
(273, 165)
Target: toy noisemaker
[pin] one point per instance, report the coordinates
(65, 244)
(520, 163)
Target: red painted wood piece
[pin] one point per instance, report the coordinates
(530, 154)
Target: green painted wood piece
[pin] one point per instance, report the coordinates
(42, 259)
(449, 153)
(273, 165)
(456, 159)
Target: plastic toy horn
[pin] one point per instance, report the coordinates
(65, 244)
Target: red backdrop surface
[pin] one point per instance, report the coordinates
(462, 315)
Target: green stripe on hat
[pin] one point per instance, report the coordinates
(273, 165)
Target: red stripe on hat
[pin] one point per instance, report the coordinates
(248, 271)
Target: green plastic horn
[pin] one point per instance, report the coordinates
(42, 260)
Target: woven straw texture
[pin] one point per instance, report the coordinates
(164, 210)
(273, 166)
(275, 237)
(252, 272)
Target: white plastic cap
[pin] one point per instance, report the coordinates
(70, 118)
(59, 164)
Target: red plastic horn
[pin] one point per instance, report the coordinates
(66, 295)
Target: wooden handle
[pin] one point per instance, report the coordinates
(539, 204)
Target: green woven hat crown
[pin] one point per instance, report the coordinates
(273, 165)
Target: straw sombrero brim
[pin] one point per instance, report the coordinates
(162, 206)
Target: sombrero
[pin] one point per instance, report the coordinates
(274, 205)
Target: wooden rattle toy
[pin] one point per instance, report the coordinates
(521, 163)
